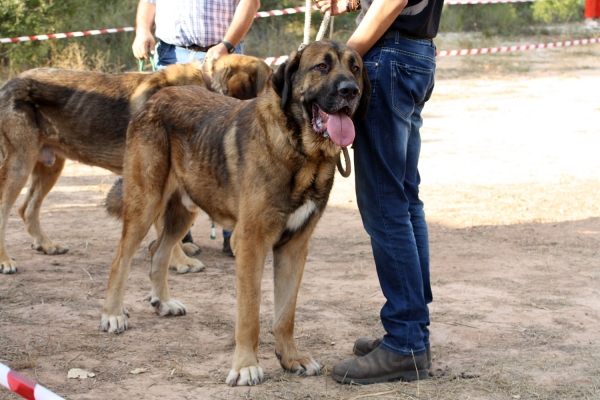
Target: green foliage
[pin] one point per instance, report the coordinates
(509, 19)
(26, 18)
(274, 36)
(36, 17)
(557, 10)
(491, 19)
(109, 52)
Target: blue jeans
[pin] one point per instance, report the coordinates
(386, 156)
(167, 54)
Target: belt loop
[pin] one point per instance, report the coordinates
(397, 38)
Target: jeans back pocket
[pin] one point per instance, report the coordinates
(410, 86)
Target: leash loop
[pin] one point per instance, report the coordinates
(344, 172)
(307, 19)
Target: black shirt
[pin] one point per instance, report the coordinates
(420, 18)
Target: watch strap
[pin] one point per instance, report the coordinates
(230, 47)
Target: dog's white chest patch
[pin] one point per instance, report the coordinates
(301, 215)
(188, 203)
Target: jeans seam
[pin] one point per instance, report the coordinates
(397, 260)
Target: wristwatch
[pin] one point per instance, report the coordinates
(230, 47)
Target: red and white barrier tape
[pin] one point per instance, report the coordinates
(65, 35)
(463, 2)
(517, 48)
(24, 386)
(281, 59)
(446, 53)
(287, 11)
(260, 14)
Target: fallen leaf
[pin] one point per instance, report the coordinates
(78, 373)
(138, 371)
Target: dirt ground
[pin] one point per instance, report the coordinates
(511, 183)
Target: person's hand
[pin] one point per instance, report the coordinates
(336, 7)
(212, 55)
(143, 41)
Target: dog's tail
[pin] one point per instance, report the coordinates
(114, 200)
(173, 75)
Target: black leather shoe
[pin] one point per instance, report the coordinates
(227, 247)
(364, 346)
(187, 238)
(381, 365)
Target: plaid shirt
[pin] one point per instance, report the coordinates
(186, 22)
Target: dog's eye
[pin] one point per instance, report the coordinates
(321, 66)
(355, 68)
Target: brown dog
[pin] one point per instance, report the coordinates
(48, 115)
(264, 166)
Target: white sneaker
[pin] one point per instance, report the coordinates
(591, 23)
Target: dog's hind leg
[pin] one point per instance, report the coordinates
(43, 178)
(288, 265)
(142, 203)
(18, 155)
(136, 225)
(177, 221)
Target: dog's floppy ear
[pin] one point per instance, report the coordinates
(282, 79)
(241, 86)
(263, 78)
(221, 74)
(363, 105)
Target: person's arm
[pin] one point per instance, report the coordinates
(377, 20)
(143, 36)
(240, 25)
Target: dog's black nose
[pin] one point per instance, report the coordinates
(348, 89)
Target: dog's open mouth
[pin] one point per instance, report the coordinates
(337, 126)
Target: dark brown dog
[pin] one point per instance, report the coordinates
(48, 115)
(264, 166)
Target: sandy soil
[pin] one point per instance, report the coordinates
(511, 184)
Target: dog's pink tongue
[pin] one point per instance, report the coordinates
(340, 129)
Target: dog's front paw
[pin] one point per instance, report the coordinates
(190, 265)
(8, 266)
(196, 265)
(114, 323)
(190, 249)
(183, 264)
(249, 376)
(50, 248)
(167, 308)
(303, 365)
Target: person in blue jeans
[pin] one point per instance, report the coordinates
(191, 30)
(395, 41)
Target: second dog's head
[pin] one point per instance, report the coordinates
(240, 76)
